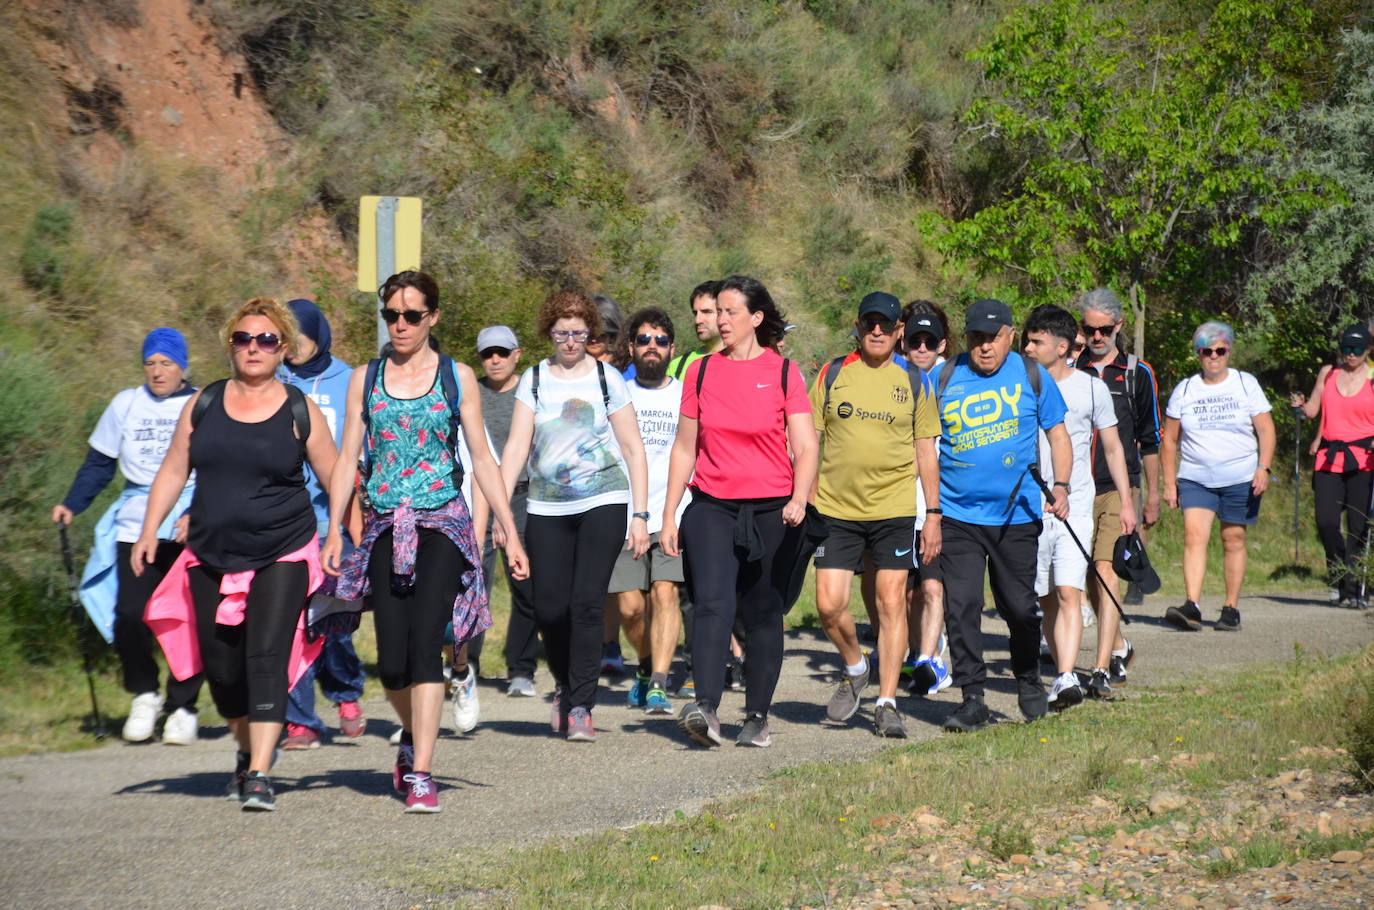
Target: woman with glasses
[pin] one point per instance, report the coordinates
(419, 560)
(746, 441)
(135, 431)
(252, 555)
(1344, 397)
(1216, 449)
(572, 413)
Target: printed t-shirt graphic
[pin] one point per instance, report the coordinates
(868, 429)
(990, 439)
(574, 463)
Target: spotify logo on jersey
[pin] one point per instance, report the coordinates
(845, 410)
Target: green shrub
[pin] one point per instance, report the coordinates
(1359, 732)
(44, 258)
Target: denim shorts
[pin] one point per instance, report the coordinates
(1235, 504)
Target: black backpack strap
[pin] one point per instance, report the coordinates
(680, 369)
(946, 373)
(453, 396)
(785, 363)
(300, 413)
(832, 369)
(369, 380)
(534, 384)
(1132, 362)
(701, 375)
(208, 395)
(605, 390)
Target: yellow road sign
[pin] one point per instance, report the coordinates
(388, 238)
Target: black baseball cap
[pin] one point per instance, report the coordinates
(885, 305)
(1355, 336)
(1129, 561)
(987, 315)
(924, 324)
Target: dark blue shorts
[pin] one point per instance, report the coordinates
(1235, 504)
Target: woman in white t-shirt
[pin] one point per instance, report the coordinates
(134, 432)
(571, 413)
(1217, 446)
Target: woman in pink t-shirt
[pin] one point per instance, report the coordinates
(1344, 397)
(743, 410)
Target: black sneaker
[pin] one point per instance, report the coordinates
(1031, 698)
(1187, 618)
(734, 674)
(1134, 596)
(235, 789)
(923, 676)
(1098, 687)
(1229, 621)
(972, 715)
(755, 732)
(1119, 665)
(257, 793)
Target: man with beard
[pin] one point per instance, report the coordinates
(703, 300)
(652, 624)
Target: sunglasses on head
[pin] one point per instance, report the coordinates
(494, 352)
(560, 336)
(1214, 352)
(662, 341)
(1104, 330)
(413, 317)
(268, 342)
(886, 326)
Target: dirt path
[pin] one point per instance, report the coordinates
(146, 826)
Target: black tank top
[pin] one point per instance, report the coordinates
(250, 506)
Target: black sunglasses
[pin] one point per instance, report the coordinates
(1210, 352)
(494, 352)
(1350, 349)
(389, 316)
(268, 342)
(661, 340)
(886, 326)
(1103, 330)
(923, 340)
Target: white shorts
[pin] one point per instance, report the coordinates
(1058, 561)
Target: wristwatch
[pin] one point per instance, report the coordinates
(1065, 485)
(643, 515)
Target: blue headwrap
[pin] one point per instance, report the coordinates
(315, 327)
(167, 342)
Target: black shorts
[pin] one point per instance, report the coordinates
(892, 541)
(926, 571)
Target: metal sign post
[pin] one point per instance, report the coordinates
(388, 242)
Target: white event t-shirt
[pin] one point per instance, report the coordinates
(657, 411)
(137, 428)
(1217, 438)
(1090, 409)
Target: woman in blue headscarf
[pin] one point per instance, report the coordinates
(134, 432)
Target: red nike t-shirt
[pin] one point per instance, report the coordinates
(742, 424)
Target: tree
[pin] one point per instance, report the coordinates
(1139, 152)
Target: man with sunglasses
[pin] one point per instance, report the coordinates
(1135, 398)
(652, 623)
(876, 420)
(499, 351)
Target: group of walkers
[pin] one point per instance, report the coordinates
(262, 513)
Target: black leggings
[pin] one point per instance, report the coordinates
(723, 587)
(410, 627)
(246, 665)
(1335, 494)
(133, 640)
(571, 558)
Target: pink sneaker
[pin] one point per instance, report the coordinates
(422, 794)
(299, 738)
(580, 728)
(351, 720)
(405, 765)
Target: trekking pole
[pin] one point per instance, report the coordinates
(79, 621)
(1049, 497)
(1364, 564)
(1297, 475)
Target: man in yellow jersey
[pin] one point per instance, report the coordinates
(876, 418)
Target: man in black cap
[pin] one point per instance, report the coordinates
(876, 419)
(991, 407)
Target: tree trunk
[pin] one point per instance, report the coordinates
(1138, 313)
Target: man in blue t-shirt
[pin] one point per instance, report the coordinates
(990, 411)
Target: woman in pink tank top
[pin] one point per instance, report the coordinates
(1344, 396)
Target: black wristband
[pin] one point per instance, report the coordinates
(935, 511)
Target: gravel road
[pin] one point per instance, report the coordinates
(146, 826)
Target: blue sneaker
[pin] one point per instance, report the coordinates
(656, 702)
(639, 692)
(943, 679)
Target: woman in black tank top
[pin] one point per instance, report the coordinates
(251, 518)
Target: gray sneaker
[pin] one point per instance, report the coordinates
(522, 686)
(887, 722)
(700, 723)
(755, 732)
(845, 700)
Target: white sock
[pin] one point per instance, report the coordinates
(884, 700)
(1122, 652)
(858, 668)
(927, 657)
(1068, 678)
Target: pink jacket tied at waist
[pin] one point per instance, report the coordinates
(172, 616)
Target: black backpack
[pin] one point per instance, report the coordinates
(452, 395)
(913, 374)
(300, 408)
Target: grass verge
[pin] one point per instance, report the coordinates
(814, 829)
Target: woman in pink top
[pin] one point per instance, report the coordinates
(743, 409)
(1345, 463)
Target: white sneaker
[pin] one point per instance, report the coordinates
(1066, 692)
(143, 712)
(396, 737)
(522, 686)
(181, 729)
(1089, 617)
(465, 704)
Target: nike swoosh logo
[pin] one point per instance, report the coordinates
(763, 385)
(904, 552)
